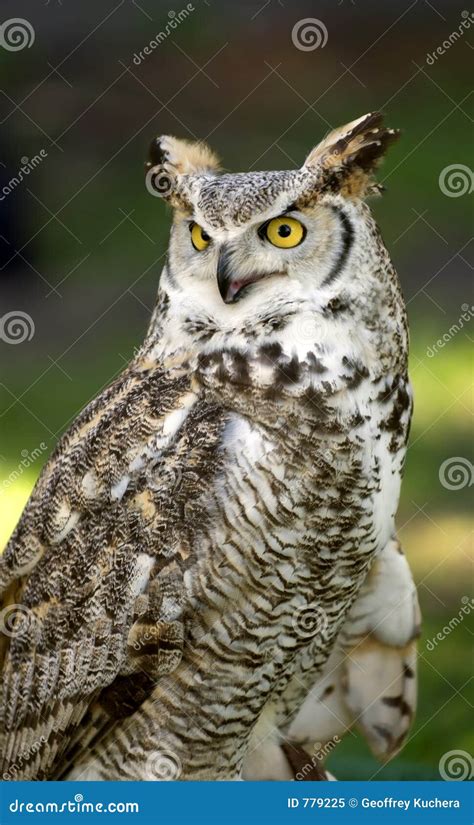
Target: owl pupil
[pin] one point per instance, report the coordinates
(284, 230)
(204, 235)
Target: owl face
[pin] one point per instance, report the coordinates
(292, 248)
(260, 237)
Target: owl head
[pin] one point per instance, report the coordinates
(242, 240)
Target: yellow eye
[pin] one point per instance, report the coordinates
(284, 232)
(199, 238)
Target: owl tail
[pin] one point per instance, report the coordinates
(302, 768)
(373, 689)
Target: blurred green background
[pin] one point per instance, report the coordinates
(82, 242)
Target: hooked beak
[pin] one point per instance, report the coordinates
(231, 285)
(225, 280)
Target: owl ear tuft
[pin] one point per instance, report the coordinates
(169, 159)
(182, 156)
(348, 156)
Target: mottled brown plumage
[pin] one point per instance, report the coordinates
(242, 473)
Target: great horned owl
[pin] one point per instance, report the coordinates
(206, 575)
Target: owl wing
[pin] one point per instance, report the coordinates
(370, 678)
(91, 581)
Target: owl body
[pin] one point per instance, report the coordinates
(195, 546)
